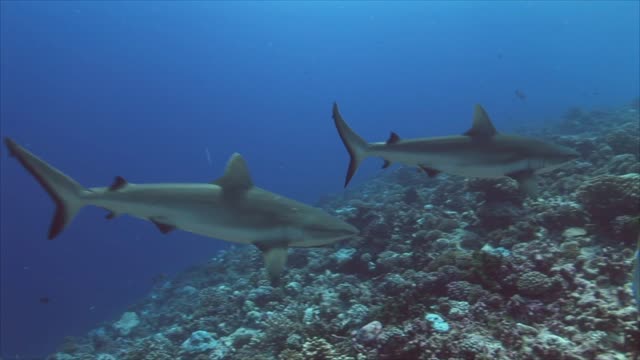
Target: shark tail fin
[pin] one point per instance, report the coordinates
(356, 146)
(65, 192)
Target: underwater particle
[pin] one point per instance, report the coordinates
(437, 322)
(199, 341)
(127, 322)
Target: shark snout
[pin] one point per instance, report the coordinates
(331, 230)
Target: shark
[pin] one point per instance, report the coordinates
(230, 208)
(481, 152)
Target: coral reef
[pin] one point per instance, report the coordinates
(447, 268)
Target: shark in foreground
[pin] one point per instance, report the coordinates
(479, 152)
(231, 208)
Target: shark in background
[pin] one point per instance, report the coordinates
(231, 208)
(479, 152)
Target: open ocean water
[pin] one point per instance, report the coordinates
(166, 91)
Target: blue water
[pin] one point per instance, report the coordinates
(145, 89)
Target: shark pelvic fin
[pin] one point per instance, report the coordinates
(275, 258)
(236, 175)
(118, 183)
(527, 181)
(482, 126)
(163, 227)
(429, 171)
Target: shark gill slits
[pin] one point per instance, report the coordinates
(118, 183)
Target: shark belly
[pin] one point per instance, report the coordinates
(461, 163)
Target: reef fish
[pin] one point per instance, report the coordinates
(520, 94)
(479, 152)
(230, 208)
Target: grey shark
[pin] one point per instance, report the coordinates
(479, 152)
(230, 208)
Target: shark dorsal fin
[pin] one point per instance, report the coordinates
(393, 138)
(118, 183)
(482, 126)
(236, 175)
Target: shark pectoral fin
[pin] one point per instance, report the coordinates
(275, 258)
(162, 226)
(482, 126)
(527, 181)
(430, 172)
(386, 164)
(236, 176)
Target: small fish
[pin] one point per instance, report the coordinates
(208, 155)
(45, 300)
(520, 94)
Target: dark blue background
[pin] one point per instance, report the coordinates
(141, 89)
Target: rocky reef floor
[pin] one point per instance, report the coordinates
(447, 268)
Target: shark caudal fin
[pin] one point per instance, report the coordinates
(356, 146)
(65, 192)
